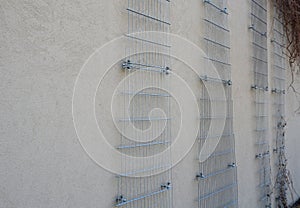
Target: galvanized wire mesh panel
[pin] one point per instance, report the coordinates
(260, 89)
(152, 190)
(217, 183)
(278, 97)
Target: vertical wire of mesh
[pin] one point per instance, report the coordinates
(217, 182)
(260, 92)
(278, 97)
(148, 58)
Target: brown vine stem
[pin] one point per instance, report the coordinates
(289, 14)
(292, 87)
(289, 11)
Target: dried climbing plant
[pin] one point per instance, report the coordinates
(289, 11)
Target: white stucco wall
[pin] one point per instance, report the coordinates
(292, 133)
(43, 47)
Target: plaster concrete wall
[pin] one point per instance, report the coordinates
(243, 99)
(43, 47)
(292, 132)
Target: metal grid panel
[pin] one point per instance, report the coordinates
(260, 89)
(154, 190)
(217, 185)
(278, 96)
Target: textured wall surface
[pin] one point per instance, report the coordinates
(292, 133)
(43, 45)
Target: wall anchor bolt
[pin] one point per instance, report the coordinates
(224, 10)
(278, 91)
(120, 199)
(281, 125)
(201, 175)
(166, 70)
(232, 165)
(127, 65)
(166, 186)
(254, 87)
(229, 82)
